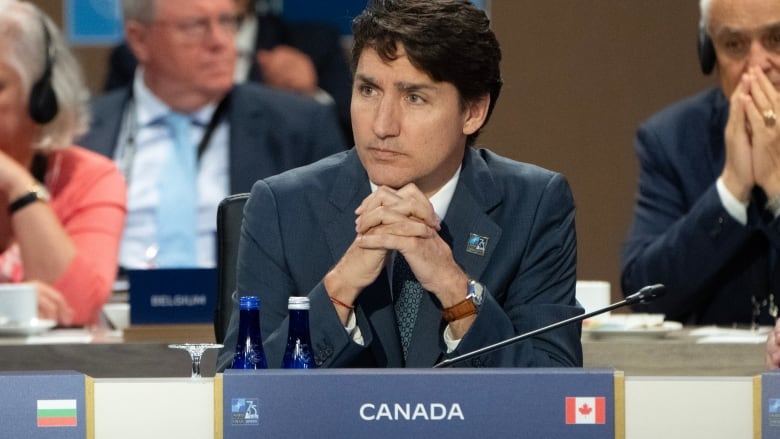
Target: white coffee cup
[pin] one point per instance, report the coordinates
(593, 295)
(18, 303)
(117, 314)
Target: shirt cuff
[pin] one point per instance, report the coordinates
(352, 329)
(735, 208)
(773, 206)
(449, 340)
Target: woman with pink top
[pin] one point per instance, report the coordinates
(63, 207)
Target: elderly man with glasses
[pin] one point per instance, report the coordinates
(185, 136)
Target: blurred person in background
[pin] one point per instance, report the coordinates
(706, 215)
(305, 58)
(185, 137)
(65, 206)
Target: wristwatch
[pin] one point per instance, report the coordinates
(37, 192)
(475, 295)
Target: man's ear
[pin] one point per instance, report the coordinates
(136, 35)
(475, 114)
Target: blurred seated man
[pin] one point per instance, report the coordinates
(305, 58)
(185, 137)
(415, 246)
(706, 216)
(65, 206)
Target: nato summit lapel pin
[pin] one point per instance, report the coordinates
(477, 244)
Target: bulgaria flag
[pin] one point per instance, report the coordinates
(586, 410)
(56, 413)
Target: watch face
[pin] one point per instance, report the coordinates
(476, 292)
(41, 192)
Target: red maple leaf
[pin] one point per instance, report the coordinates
(585, 409)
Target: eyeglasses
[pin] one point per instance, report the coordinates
(197, 28)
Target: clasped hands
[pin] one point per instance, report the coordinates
(402, 220)
(753, 138)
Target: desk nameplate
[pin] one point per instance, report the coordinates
(767, 408)
(172, 295)
(44, 404)
(392, 403)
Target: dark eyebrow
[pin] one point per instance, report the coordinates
(402, 86)
(412, 87)
(365, 79)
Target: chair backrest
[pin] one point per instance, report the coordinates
(230, 213)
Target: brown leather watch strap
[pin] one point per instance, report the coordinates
(459, 310)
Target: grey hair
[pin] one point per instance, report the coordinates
(704, 20)
(21, 26)
(139, 10)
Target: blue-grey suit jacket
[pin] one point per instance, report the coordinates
(270, 131)
(681, 235)
(298, 224)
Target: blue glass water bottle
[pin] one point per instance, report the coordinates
(249, 348)
(298, 354)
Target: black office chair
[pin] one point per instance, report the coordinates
(230, 213)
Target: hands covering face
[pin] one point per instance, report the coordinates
(753, 137)
(288, 68)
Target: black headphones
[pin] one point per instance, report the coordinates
(43, 101)
(707, 56)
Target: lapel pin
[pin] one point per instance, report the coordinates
(477, 244)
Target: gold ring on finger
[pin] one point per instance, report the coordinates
(769, 117)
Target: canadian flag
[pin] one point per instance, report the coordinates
(586, 410)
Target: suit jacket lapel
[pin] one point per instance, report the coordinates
(337, 214)
(717, 145)
(106, 122)
(249, 152)
(474, 196)
(468, 218)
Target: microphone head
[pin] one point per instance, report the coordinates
(647, 294)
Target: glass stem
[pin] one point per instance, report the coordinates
(196, 365)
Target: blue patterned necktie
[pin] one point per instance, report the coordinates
(178, 205)
(407, 293)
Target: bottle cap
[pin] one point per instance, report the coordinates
(298, 302)
(249, 302)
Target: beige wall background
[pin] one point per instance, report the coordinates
(579, 77)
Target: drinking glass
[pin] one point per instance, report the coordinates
(196, 351)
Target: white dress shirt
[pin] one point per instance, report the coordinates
(144, 147)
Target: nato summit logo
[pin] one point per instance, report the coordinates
(773, 412)
(243, 411)
(477, 244)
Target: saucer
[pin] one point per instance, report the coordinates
(36, 326)
(656, 331)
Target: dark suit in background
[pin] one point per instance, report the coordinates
(270, 131)
(320, 41)
(297, 225)
(681, 235)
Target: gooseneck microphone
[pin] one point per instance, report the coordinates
(644, 295)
